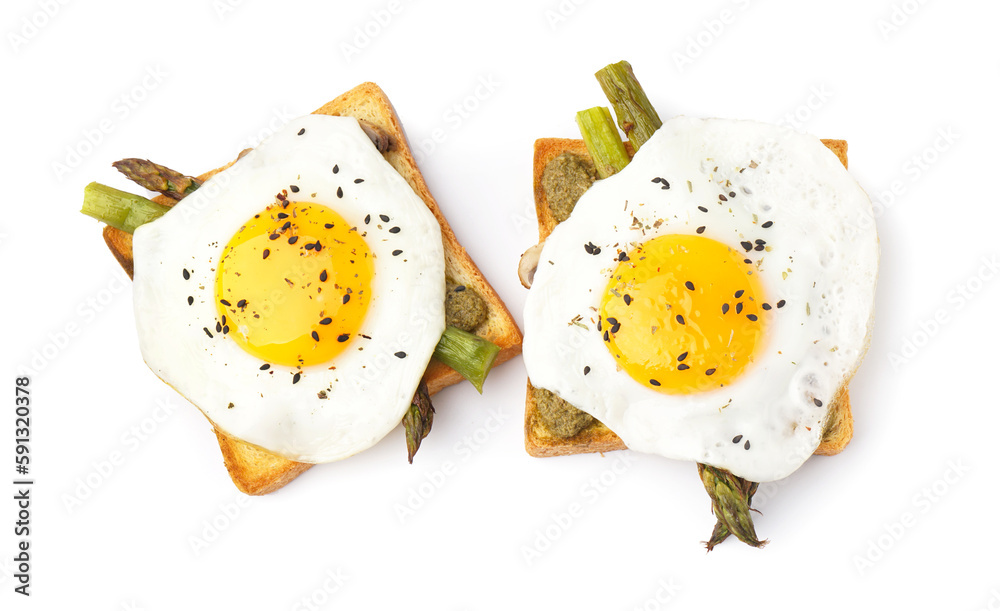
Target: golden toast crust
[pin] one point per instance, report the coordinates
(597, 437)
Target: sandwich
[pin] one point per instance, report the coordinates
(702, 290)
(309, 296)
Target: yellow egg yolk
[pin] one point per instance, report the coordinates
(294, 284)
(683, 313)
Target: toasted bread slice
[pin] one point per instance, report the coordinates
(257, 471)
(538, 440)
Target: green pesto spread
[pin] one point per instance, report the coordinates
(559, 417)
(564, 180)
(463, 307)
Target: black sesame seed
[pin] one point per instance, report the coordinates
(747, 261)
(347, 298)
(654, 382)
(293, 239)
(759, 241)
(738, 293)
(739, 307)
(396, 253)
(265, 367)
(700, 229)
(622, 256)
(336, 168)
(666, 185)
(747, 246)
(599, 324)
(326, 321)
(340, 192)
(190, 300)
(612, 320)
(752, 317)
(738, 439)
(606, 338)
(273, 236)
(689, 285)
(615, 327)
(746, 446)
(225, 330)
(242, 303)
(683, 367)
(328, 225)
(586, 370)
(293, 188)
(394, 230)
(725, 308)
(385, 218)
(343, 337)
(657, 179)
(186, 274)
(767, 224)
(310, 246)
(818, 402)
(759, 247)
(765, 306)
(703, 208)
(267, 252)
(315, 336)
(722, 198)
(358, 181)
(282, 215)
(225, 303)
(319, 246)
(218, 327)
(368, 219)
(286, 225)
(296, 378)
(781, 303)
(680, 319)
(323, 276)
(709, 372)
(207, 332)
(682, 356)
(459, 288)
(628, 299)
(302, 131)
(400, 355)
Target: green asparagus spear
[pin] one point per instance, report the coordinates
(731, 498)
(602, 140)
(119, 209)
(468, 354)
(636, 116)
(417, 420)
(155, 177)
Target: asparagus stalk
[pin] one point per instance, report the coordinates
(636, 116)
(731, 498)
(155, 177)
(417, 420)
(119, 209)
(468, 354)
(602, 140)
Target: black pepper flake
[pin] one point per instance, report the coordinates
(654, 382)
(358, 181)
(592, 249)
(709, 372)
(752, 317)
(186, 274)
(384, 217)
(340, 192)
(700, 229)
(267, 252)
(738, 439)
(323, 276)
(368, 219)
(781, 303)
(689, 285)
(396, 253)
(190, 300)
(400, 355)
(394, 230)
(680, 319)
(293, 239)
(767, 224)
(326, 321)
(628, 299)
(703, 208)
(747, 246)
(347, 298)
(683, 367)
(293, 188)
(738, 294)
(265, 367)
(207, 332)
(765, 306)
(225, 303)
(343, 337)
(725, 308)
(336, 168)
(302, 131)
(296, 378)
(315, 336)
(682, 356)
(586, 370)
(746, 446)
(818, 402)
(739, 307)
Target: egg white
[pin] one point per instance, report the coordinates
(822, 260)
(335, 409)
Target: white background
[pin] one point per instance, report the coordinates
(905, 517)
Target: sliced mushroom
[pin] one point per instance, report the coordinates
(529, 263)
(379, 137)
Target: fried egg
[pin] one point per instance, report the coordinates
(296, 297)
(710, 302)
